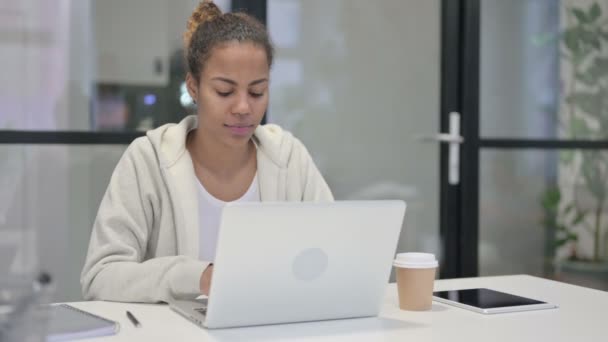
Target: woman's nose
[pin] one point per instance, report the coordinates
(241, 107)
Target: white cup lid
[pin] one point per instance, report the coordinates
(415, 260)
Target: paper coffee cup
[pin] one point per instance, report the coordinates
(415, 277)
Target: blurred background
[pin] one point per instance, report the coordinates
(366, 85)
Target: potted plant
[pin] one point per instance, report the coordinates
(575, 209)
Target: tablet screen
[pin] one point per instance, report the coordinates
(485, 298)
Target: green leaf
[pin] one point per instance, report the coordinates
(579, 128)
(599, 67)
(588, 38)
(578, 57)
(562, 241)
(580, 216)
(592, 174)
(559, 242)
(566, 156)
(550, 199)
(593, 74)
(587, 78)
(568, 208)
(595, 42)
(572, 41)
(580, 15)
(594, 12)
(591, 103)
(602, 34)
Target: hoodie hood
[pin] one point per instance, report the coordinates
(169, 141)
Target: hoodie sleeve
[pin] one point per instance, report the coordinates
(115, 268)
(314, 187)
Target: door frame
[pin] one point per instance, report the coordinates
(461, 37)
(459, 204)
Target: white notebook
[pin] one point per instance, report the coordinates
(69, 323)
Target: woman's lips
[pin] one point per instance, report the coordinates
(239, 129)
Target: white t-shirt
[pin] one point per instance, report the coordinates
(210, 210)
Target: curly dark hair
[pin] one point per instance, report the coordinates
(208, 27)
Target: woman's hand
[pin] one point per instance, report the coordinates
(205, 282)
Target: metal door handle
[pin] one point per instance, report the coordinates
(454, 139)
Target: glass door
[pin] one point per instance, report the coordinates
(538, 87)
(359, 83)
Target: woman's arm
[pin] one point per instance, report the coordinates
(115, 268)
(314, 186)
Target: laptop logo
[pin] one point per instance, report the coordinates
(310, 264)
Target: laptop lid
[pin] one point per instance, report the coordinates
(302, 261)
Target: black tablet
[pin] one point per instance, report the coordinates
(488, 301)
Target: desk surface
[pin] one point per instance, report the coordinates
(581, 317)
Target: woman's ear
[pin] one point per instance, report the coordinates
(192, 85)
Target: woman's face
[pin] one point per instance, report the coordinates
(232, 93)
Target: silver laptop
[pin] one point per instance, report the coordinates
(299, 261)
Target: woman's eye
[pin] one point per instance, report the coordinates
(256, 94)
(224, 94)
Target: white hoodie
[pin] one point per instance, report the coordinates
(145, 241)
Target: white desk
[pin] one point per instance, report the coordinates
(582, 316)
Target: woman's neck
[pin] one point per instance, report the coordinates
(222, 160)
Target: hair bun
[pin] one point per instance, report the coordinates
(205, 11)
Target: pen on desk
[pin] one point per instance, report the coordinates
(133, 319)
